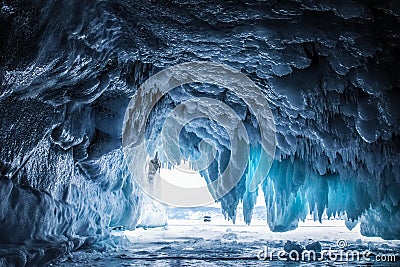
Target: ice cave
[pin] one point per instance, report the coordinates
(199, 133)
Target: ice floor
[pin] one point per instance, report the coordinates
(220, 243)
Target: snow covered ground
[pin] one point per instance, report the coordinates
(193, 242)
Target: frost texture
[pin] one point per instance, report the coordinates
(67, 71)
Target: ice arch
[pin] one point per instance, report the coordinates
(200, 107)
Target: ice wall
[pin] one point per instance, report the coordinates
(67, 70)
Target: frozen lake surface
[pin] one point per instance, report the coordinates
(220, 243)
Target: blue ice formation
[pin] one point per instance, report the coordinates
(303, 180)
(67, 71)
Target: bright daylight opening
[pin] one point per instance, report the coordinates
(193, 232)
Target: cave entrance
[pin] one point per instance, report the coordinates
(176, 236)
(208, 214)
(196, 236)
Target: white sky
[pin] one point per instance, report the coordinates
(181, 176)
